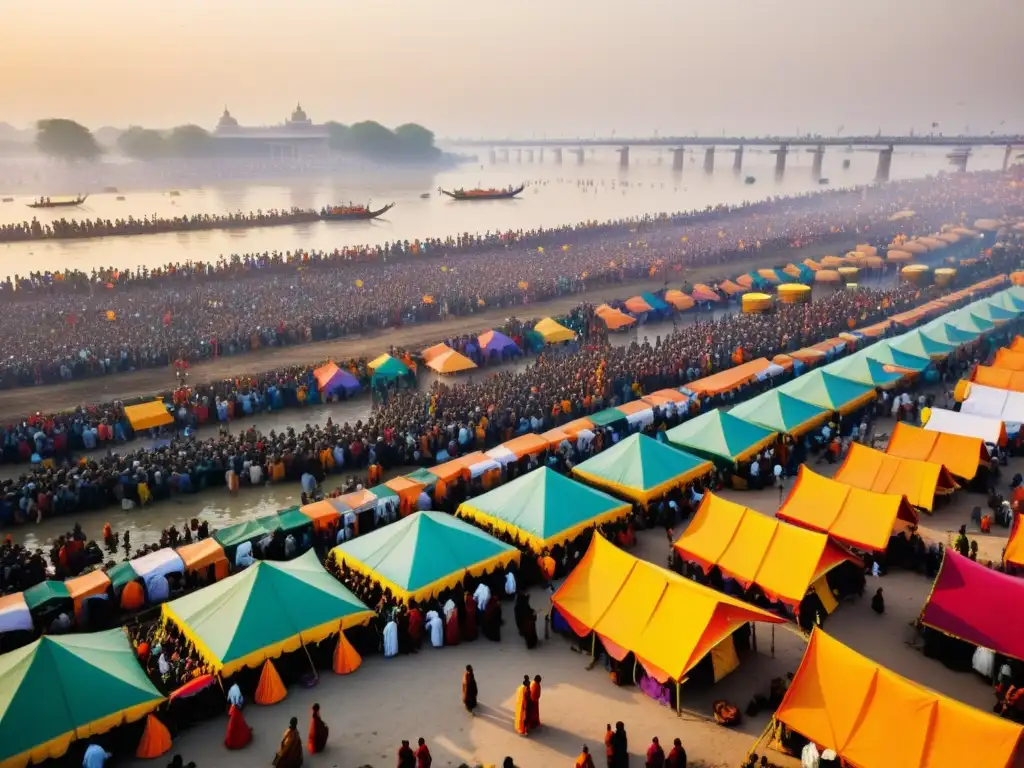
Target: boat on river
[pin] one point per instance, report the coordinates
(46, 202)
(482, 194)
(353, 212)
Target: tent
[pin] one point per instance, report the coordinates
(201, 554)
(1012, 555)
(887, 355)
(669, 622)
(450, 362)
(613, 318)
(945, 333)
(960, 455)
(68, 687)
(1001, 404)
(330, 379)
(148, 415)
(543, 508)
(730, 378)
(387, 368)
(325, 513)
(638, 305)
(640, 468)
(48, 595)
(264, 611)
(1011, 361)
(827, 390)
(423, 554)
(919, 345)
(721, 437)
(994, 311)
(917, 480)
(496, 342)
(781, 413)
(957, 423)
(854, 516)
(783, 560)
(553, 332)
(528, 444)
(862, 369)
(873, 718)
(438, 349)
(92, 584)
(977, 604)
(680, 300)
(14, 614)
(702, 292)
(1000, 378)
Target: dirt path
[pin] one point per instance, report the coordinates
(16, 403)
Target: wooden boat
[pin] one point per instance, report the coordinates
(57, 203)
(482, 194)
(425, 196)
(354, 212)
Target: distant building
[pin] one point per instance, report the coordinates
(296, 137)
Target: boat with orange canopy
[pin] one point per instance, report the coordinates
(482, 194)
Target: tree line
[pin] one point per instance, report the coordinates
(72, 142)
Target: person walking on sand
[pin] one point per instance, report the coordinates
(406, 758)
(584, 760)
(469, 690)
(534, 704)
(609, 751)
(522, 711)
(423, 758)
(318, 730)
(289, 754)
(238, 733)
(655, 755)
(620, 747)
(677, 757)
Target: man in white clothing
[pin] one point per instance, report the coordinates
(510, 583)
(436, 629)
(482, 595)
(390, 639)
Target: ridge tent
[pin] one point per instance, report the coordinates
(638, 305)
(918, 481)
(1000, 378)
(873, 718)
(680, 300)
(827, 390)
(614, 318)
(264, 611)
(200, 555)
(1008, 360)
(721, 437)
(862, 369)
(784, 560)
(450, 362)
(640, 468)
(781, 413)
(994, 403)
(958, 423)
(438, 349)
(887, 355)
(553, 332)
(148, 415)
(387, 368)
(331, 379)
(497, 342)
(959, 454)
(543, 508)
(730, 378)
(919, 345)
(862, 519)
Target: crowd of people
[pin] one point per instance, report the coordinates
(201, 311)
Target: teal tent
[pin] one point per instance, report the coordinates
(721, 437)
(827, 390)
(780, 412)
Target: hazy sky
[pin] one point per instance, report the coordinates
(521, 67)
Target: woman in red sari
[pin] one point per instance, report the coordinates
(469, 632)
(317, 732)
(239, 733)
(533, 713)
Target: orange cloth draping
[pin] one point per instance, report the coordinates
(155, 741)
(270, 689)
(346, 658)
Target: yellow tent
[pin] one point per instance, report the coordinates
(959, 454)
(782, 559)
(450, 362)
(146, 415)
(378, 361)
(553, 332)
(431, 352)
(999, 378)
(614, 318)
(917, 480)
(670, 623)
(862, 519)
(1009, 360)
(873, 718)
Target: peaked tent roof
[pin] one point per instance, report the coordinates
(553, 331)
(267, 609)
(424, 553)
(543, 508)
(918, 345)
(1009, 360)
(862, 519)
(827, 390)
(720, 435)
(918, 481)
(888, 355)
(864, 370)
(391, 368)
(1000, 378)
(959, 454)
(973, 603)
(495, 341)
(640, 468)
(450, 362)
(941, 331)
(873, 718)
(782, 559)
(730, 378)
(780, 412)
(84, 684)
(668, 621)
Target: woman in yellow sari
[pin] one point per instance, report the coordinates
(289, 754)
(522, 707)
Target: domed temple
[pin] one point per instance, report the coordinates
(296, 137)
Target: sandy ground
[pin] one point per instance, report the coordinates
(408, 697)
(16, 403)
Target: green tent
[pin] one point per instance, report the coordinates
(944, 333)
(264, 611)
(721, 437)
(1008, 301)
(640, 468)
(827, 390)
(47, 594)
(863, 370)
(424, 553)
(121, 574)
(382, 492)
(609, 417)
(247, 530)
(917, 344)
(289, 520)
(780, 412)
(994, 311)
(62, 688)
(887, 355)
(424, 477)
(392, 368)
(543, 508)
(965, 321)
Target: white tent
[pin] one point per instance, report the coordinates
(996, 404)
(952, 423)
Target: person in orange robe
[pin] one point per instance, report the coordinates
(585, 760)
(318, 730)
(239, 733)
(522, 711)
(534, 703)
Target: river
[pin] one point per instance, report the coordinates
(556, 194)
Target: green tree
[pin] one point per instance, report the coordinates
(372, 139)
(190, 141)
(142, 143)
(415, 138)
(338, 135)
(66, 140)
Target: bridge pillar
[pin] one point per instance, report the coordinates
(709, 160)
(529, 155)
(623, 157)
(558, 155)
(884, 164)
(540, 152)
(519, 155)
(580, 154)
(958, 159)
(780, 160)
(818, 156)
(504, 155)
(1007, 156)
(737, 159)
(494, 157)
(678, 156)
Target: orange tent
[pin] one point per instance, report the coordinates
(679, 300)
(873, 718)
(1014, 552)
(729, 379)
(155, 741)
(701, 292)
(1017, 345)
(745, 281)
(637, 304)
(554, 437)
(359, 499)
(456, 467)
(807, 355)
(614, 318)
(959, 454)
(408, 492)
(663, 396)
(527, 444)
(732, 289)
(324, 513)
(450, 362)
(1000, 378)
(200, 555)
(573, 427)
(862, 519)
(87, 585)
(1009, 360)
(917, 481)
(324, 374)
(438, 349)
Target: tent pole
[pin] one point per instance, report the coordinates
(593, 644)
(679, 705)
(312, 666)
(764, 734)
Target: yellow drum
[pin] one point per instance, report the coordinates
(794, 293)
(757, 302)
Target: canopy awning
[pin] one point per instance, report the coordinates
(827, 390)
(993, 403)
(720, 436)
(1000, 378)
(553, 332)
(729, 379)
(780, 412)
(148, 415)
(918, 481)
(960, 455)
(968, 424)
